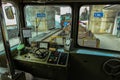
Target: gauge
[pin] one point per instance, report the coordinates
(67, 42)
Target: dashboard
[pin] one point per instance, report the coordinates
(39, 52)
(41, 61)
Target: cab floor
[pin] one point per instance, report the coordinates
(27, 75)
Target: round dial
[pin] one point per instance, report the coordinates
(67, 42)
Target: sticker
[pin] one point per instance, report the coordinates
(40, 15)
(98, 14)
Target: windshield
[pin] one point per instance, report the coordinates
(48, 21)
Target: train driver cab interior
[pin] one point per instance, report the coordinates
(60, 40)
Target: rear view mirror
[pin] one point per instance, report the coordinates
(9, 12)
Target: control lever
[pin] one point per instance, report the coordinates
(41, 53)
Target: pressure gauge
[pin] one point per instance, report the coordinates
(68, 42)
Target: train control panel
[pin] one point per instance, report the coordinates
(43, 61)
(40, 52)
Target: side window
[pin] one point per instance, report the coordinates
(99, 27)
(11, 25)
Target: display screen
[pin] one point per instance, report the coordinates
(27, 33)
(43, 45)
